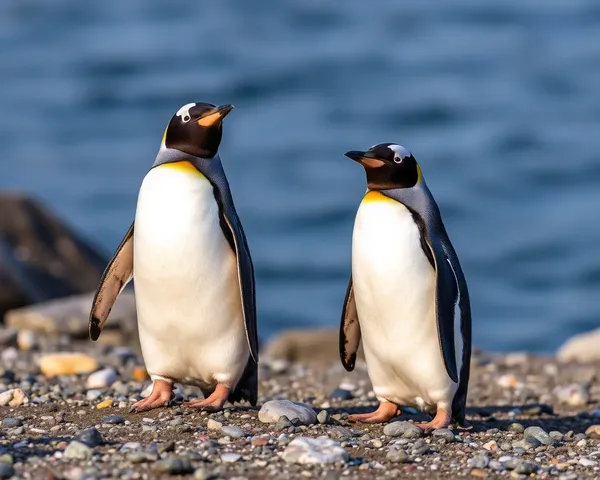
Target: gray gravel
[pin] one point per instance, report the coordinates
(523, 424)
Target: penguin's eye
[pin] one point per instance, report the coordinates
(397, 160)
(186, 118)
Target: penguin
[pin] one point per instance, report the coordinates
(194, 279)
(407, 298)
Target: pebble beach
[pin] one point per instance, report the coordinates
(65, 402)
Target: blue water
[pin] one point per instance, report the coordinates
(498, 100)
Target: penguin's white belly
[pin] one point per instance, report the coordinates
(394, 289)
(188, 299)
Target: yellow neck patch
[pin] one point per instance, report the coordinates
(183, 166)
(374, 196)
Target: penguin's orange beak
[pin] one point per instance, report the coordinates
(214, 118)
(367, 159)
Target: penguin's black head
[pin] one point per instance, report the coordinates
(388, 166)
(196, 129)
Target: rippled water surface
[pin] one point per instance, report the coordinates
(498, 100)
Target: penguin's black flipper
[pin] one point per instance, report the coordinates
(115, 278)
(349, 330)
(233, 232)
(232, 229)
(446, 298)
(459, 402)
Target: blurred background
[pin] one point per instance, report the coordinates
(499, 101)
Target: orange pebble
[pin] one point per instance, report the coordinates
(139, 374)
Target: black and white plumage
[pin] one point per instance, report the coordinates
(194, 277)
(407, 299)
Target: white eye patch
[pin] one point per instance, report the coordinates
(184, 112)
(400, 153)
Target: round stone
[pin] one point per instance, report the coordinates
(78, 451)
(273, 410)
(319, 451)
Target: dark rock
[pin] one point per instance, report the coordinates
(12, 422)
(532, 442)
(7, 375)
(341, 394)
(113, 419)
(6, 470)
(538, 409)
(8, 337)
(41, 258)
(91, 437)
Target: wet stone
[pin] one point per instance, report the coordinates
(444, 433)
(6, 470)
(91, 437)
(113, 419)
(340, 394)
(12, 422)
(539, 434)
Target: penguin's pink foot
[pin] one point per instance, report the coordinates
(162, 392)
(384, 413)
(441, 420)
(214, 402)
